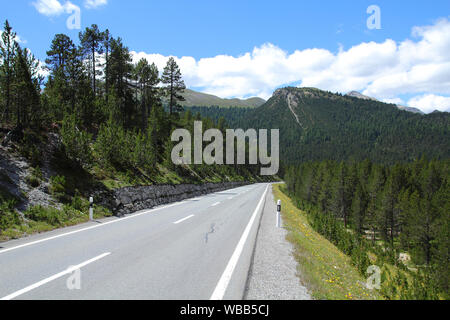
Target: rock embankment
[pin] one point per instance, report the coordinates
(130, 199)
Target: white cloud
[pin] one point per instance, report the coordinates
(430, 102)
(55, 7)
(396, 101)
(383, 70)
(92, 4)
(49, 7)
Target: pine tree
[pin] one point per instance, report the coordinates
(404, 208)
(375, 186)
(147, 78)
(8, 47)
(107, 49)
(120, 68)
(358, 210)
(341, 193)
(324, 193)
(171, 77)
(91, 43)
(25, 89)
(59, 54)
(68, 88)
(386, 213)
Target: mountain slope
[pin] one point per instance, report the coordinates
(319, 125)
(198, 99)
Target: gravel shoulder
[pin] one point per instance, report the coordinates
(273, 274)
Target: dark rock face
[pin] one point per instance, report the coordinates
(130, 199)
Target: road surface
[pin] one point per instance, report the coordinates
(196, 249)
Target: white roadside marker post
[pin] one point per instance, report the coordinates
(91, 208)
(279, 214)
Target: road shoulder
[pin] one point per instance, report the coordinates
(273, 273)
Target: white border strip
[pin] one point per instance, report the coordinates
(54, 277)
(222, 285)
(184, 219)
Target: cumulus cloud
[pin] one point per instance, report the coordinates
(430, 102)
(55, 7)
(49, 7)
(383, 70)
(92, 4)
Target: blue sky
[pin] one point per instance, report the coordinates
(202, 30)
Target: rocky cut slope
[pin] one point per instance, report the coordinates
(19, 179)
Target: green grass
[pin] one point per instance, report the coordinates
(40, 219)
(324, 269)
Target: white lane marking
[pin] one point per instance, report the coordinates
(54, 277)
(90, 228)
(184, 219)
(222, 285)
(215, 204)
(229, 198)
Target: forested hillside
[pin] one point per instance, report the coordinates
(317, 125)
(385, 215)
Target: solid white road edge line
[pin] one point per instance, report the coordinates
(54, 277)
(222, 285)
(184, 219)
(90, 228)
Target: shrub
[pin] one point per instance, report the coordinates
(76, 142)
(49, 215)
(112, 145)
(8, 216)
(34, 180)
(79, 204)
(143, 152)
(28, 148)
(58, 186)
(52, 216)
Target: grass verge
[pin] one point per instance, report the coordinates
(40, 219)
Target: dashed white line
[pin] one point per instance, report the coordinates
(184, 219)
(215, 204)
(54, 277)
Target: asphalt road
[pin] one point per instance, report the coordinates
(196, 249)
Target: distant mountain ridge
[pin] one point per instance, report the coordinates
(318, 125)
(199, 99)
(356, 94)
